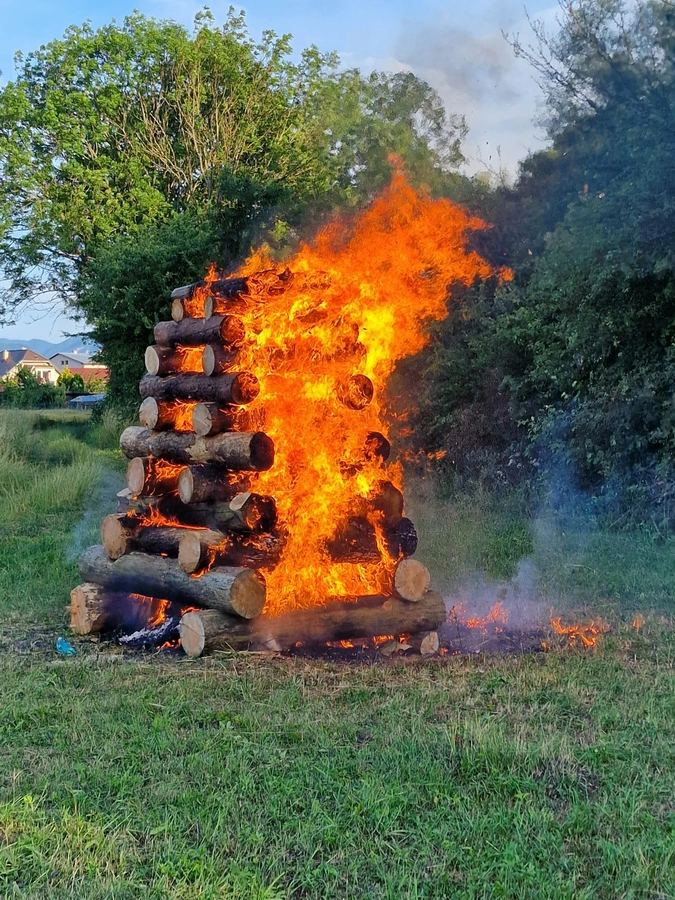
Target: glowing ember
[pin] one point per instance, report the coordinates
(319, 335)
(183, 420)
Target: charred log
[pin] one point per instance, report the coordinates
(227, 330)
(200, 549)
(200, 484)
(209, 418)
(354, 542)
(171, 360)
(238, 591)
(237, 388)
(160, 416)
(122, 534)
(206, 630)
(216, 360)
(401, 539)
(149, 477)
(388, 504)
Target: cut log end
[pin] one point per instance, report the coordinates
(411, 580)
(114, 536)
(247, 594)
(177, 309)
(136, 474)
(87, 609)
(148, 414)
(356, 392)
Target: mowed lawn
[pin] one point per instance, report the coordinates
(249, 776)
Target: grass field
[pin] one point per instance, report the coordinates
(550, 775)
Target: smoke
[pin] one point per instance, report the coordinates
(519, 598)
(476, 73)
(102, 502)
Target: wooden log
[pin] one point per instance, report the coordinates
(377, 447)
(149, 476)
(217, 515)
(388, 504)
(201, 484)
(187, 308)
(225, 330)
(226, 288)
(201, 548)
(88, 609)
(356, 392)
(162, 415)
(172, 360)
(427, 643)
(411, 580)
(401, 539)
(355, 541)
(206, 630)
(216, 360)
(248, 512)
(209, 418)
(239, 451)
(237, 388)
(238, 591)
(122, 534)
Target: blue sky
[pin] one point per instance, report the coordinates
(456, 46)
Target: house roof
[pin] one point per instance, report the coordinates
(77, 360)
(11, 358)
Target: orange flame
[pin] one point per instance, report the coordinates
(357, 302)
(580, 635)
(498, 615)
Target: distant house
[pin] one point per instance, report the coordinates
(13, 360)
(78, 365)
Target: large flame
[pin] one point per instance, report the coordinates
(357, 302)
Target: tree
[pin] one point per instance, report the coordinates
(106, 132)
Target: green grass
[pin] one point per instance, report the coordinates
(544, 776)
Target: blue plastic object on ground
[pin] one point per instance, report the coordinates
(64, 648)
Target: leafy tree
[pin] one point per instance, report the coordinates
(105, 132)
(26, 391)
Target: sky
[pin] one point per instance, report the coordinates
(456, 46)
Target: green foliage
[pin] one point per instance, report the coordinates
(71, 382)
(26, 391)
(112, 130)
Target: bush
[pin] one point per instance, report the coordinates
(25, 391)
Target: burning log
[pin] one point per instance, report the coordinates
(240, 450)
(237, 388)
(200, 549)
(388, 503)
(401, 539)
(411, 580)
(354, 542)
(122, 534)
(224, 288)
(161, 416)
(217, 515)
(356, 392)
(216, 360)
(377, 447)
(170, 360)
(206, 630)
(149, 476)
(240, 592)
(247, 513)
(209, 418)
(227, 330)
(199, 484)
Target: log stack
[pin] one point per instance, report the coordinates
(192, 530)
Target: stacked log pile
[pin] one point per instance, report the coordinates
(192, 530)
